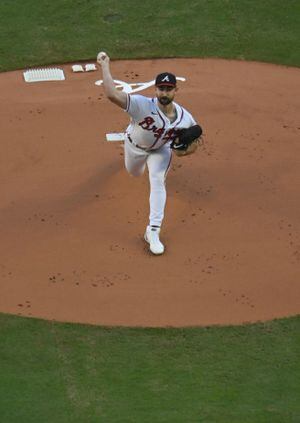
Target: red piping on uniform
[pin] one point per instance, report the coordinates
(168, 166)
(128, 102)
(181, 116)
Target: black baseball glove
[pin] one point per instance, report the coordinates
(186, 141)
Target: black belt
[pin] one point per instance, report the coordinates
(137, 146)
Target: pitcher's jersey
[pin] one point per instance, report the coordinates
(149, 128)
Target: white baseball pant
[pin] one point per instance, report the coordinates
(158, 163)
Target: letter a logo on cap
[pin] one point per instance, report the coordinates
(165, 78)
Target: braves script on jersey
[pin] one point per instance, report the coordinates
(149, 127)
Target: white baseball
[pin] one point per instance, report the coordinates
(101, 55)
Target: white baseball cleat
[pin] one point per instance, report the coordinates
(152, 237)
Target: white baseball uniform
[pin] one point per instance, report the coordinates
(147, 141)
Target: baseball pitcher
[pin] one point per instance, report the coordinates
(157, 127)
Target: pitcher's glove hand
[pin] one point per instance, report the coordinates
(187, 140)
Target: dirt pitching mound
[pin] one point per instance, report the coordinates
(72, 219)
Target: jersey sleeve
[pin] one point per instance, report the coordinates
(192, 120)
(188, 119)
(137, 105)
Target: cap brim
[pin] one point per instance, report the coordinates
(165, 84)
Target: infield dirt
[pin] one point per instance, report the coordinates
(72, 219)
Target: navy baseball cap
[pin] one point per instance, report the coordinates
(165, 79)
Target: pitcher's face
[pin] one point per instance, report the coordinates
(165, 94)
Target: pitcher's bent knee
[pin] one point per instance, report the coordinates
(135, 171)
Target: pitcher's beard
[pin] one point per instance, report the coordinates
(164, 101)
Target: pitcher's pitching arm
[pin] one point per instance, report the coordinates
(117, 97)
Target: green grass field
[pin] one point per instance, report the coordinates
(43, 32)
(58, 373)
(53, 372)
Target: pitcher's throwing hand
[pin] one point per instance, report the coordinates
(102, 58)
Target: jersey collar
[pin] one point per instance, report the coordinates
(179, 112)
